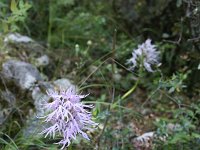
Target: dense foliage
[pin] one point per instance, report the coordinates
(90, 42)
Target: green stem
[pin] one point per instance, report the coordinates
(50, 24)
(70, 147)
(136, 83)
(113, 106)
(131, 90)
(104, 103)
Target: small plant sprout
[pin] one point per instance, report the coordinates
(89, 43)
(144, 56)
(67, 116)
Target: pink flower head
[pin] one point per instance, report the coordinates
(145, 55)
(68, 116)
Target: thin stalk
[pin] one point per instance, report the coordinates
(131, 90)
(136, 83)
(50, 23)
(105, 103)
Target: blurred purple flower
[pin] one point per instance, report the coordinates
(68, 116)
(145, 55)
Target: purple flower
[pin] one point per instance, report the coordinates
(145, 55)
(68, 116)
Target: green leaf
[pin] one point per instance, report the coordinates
(21, 4)
(13, 6)
(180, 137)
(195, 135)
(5, 27)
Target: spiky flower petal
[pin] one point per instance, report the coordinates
(68, 116)
(145, 55)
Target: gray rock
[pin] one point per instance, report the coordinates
(34, 125)
(42, 61)
(40, 97)
(17, 38)
(64, 84)
(16, 43)
(45, 86)
(23, 74)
